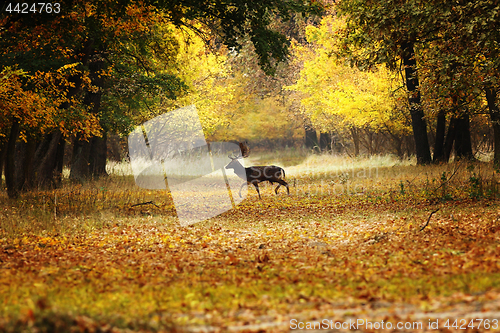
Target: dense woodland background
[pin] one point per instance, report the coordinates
(383, 113)
(351, 77)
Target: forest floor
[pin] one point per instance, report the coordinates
(372, 247)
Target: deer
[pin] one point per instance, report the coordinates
(257, 174)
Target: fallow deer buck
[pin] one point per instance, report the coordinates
(257, 174)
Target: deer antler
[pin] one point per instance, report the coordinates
(245, 150)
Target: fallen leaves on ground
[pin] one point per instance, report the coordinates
(258, 266)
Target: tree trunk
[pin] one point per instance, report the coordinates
(59, 165)
(10, 167)
(397, 143)
(47, 175)
(417, 114)
(311, 138)
(463, 145)
(409, 144)
(450, 138)
(98, 153)
(336, 142)
(89, 159)
(25, 165)
(369, 135)
(491, 98)
(80, 165)
(440, 135)
(355, 139)
(97, 158)
(325, 141)
(3, 151)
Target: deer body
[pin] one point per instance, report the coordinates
(257, 174)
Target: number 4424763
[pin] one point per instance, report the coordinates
(462, 324)
(40, 7)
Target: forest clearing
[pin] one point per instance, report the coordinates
(125, 136)
(395, 242)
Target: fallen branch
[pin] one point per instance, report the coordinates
(146, 203)
(428, 220)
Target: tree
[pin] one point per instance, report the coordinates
(101, 36)
(336, 96)
(474, 33)
(455, 44)
(388, 32)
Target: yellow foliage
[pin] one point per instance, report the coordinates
(334, 94)
(214, 89)
(39, 110)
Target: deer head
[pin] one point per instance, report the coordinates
(244, 151)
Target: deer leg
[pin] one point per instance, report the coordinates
(242, 188)
(257, 188)
(282, 182)
(276, 189)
